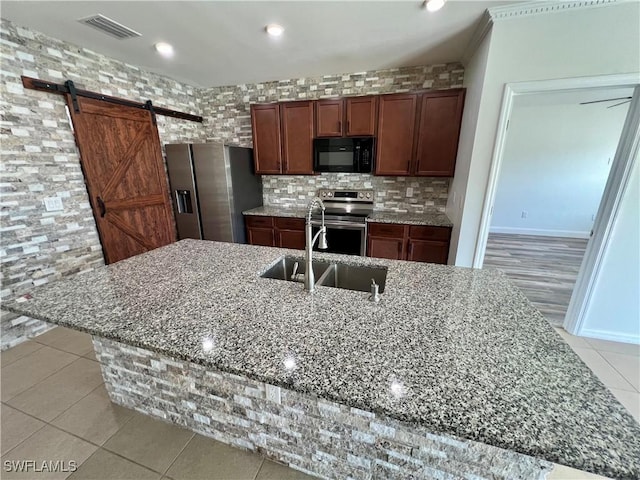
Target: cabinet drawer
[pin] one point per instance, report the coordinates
(386, 230)
(430, 233)
(289, 223)
(258, 221)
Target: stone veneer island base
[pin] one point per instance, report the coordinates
(310, 434)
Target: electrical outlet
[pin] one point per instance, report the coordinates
(593, 217)
(409, 192)
(290, 189)
(53, 203)
(524, 214)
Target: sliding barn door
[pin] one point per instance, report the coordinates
(124, 172)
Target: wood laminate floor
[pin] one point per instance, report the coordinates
(545, 268)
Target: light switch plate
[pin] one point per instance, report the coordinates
(53, 203)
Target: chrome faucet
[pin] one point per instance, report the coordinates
(309, 280)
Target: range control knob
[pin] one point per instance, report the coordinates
(361, 195)
(324, 194)
(368, 195)
(331, 194)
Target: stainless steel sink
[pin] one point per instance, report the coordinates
(337, 275)
(351, 277)
(283, 269)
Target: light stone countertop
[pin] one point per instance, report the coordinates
(459, 351)
(436, 219)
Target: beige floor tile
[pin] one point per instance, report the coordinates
(49, 398)
(616, 347)
(572, 340)
(27, 371)
(627, 365)
(104, 465)
(71, 341)
(275, 471)
(603, 370)
(94, 418)
(16, 427)
(150, 442)
(15, 353)
(560, 472)
(630, 401)
(48, 444)
(207, 459)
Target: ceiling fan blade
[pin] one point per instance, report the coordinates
(621, 103)
(606, 100)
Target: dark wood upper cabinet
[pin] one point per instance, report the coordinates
(438, 132)
(396, 126)
(361, 116)
(297, 137)
(267, 148)
(329, 118)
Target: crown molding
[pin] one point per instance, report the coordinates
(526, 9)
(481, 31)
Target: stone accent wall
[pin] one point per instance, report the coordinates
(227, 108)
(39, 159)
(310, 434)
(398, 194)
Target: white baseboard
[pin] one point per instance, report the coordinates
(540, 232)
(609, 335)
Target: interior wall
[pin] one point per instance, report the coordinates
(555, 166)
(565, 44)
(474, 77)
(39, 160)
(614, 310)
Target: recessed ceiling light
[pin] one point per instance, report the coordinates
(274, 29)
(433, 5)
(164, 49)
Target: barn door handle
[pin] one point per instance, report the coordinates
(102, 207)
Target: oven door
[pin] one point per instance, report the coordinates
(348, 238)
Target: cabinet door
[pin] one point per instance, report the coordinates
(267, 151)
(361, 116)
(396, 125)
(431, 251)
(329, 116)
(261, 236)
(291, 239)
(438, 133)
(382, 247)
(297, 137)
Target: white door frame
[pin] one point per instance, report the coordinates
(616, 183)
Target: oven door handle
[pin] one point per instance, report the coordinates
(344, 225)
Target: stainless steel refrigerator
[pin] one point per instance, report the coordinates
(211, 185)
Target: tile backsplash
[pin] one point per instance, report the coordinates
(398, 194)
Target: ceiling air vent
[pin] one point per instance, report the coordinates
(110, 27)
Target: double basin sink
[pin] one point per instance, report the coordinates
(337, 275)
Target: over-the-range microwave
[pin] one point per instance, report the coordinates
(353, 155)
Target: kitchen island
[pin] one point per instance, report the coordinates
(453, 372)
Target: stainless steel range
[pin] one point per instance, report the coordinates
(345, 218)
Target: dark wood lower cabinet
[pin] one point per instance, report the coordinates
(275, 232)
(405, 242)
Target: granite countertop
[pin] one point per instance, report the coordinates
(269, 211)
(459, 351)
(436, 219)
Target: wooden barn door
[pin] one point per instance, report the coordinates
(122, 163)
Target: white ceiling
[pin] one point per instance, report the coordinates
(224, 43)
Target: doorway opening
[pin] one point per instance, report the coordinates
(556, 161)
